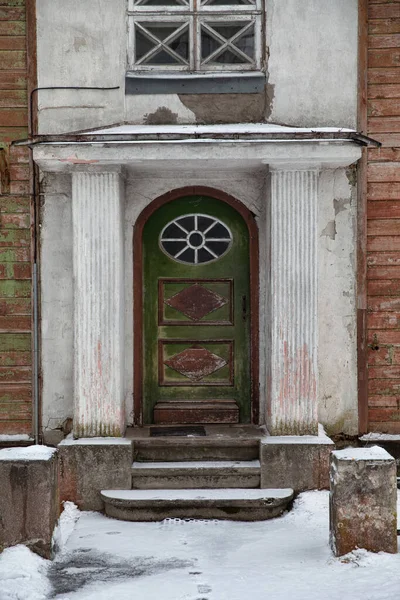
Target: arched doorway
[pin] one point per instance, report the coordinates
(196, 310)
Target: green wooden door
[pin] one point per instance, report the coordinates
(196, 325)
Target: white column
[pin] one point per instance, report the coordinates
(292, 406)
(98, 304)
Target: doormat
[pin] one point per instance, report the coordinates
(177, 431)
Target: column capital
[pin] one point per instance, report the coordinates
(294, 167)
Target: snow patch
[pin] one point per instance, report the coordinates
(65, 526)
(233, 128)
(23, 575)
(380, 437)
(278, 559)
(34, 452)
(374, 453)
(96, 441)
(15, 437)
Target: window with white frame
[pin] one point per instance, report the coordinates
(194, 35)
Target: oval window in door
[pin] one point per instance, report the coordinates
(195, 239)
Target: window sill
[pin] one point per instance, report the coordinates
(194, 83)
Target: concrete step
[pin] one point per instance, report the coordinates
(232, 504)
(195, 475)
(173, 449)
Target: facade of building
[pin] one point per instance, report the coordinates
(201, 188)
(17, 67)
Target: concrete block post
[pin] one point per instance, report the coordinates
(297, 462)
(89, 465)
(97, 214)
(363, 500)
(29, 504)
(294, 321)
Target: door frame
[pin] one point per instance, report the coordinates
(249, 219)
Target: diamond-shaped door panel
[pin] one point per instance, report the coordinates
(195, 302)
(188, 363)
(196, 363)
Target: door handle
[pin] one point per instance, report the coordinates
(244, 308)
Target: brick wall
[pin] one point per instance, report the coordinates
(15, 223)
(383, 213)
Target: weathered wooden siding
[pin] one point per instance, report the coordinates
(383, 214)
(15, 224)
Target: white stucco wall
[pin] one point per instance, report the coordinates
(80, 43)
(337, 309)
(56, 294)
(311, 63)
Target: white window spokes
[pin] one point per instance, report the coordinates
(194, 35)
(195, 239)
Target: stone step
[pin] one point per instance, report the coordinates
(232, 504)
(195, 475)
(173, 449)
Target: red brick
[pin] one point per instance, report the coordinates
(15, 393)
(13, 80)
(19, 187)
(8, 42)
(14, 427)
(19, 154)
(13, 98)
(15, 306)
(379, 320)
(383, 273)
(19, 172)
(12, 13)
(22, 359)
(15, 324)
(15, 204)
(15, 375)
(383, 210)
(13, 117)
(386, 355)
(385, 243)
(13, 221)
(12, 27)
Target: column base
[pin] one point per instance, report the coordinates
(298, 462)
(89, 465)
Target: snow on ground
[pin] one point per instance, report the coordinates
(289, 557)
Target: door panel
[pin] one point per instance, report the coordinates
(196, 326)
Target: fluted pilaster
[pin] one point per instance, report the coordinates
(98, 304)
(294, 266)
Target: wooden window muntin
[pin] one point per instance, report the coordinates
(198, 15)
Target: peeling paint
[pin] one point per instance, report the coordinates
(226, 108)
(330, 230)
(340, 205)
(162, 116)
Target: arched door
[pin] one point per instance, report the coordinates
(195, 305)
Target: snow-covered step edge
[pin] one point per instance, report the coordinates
(196, 474)
(230, 504)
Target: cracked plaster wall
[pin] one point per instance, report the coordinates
(337, 303)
